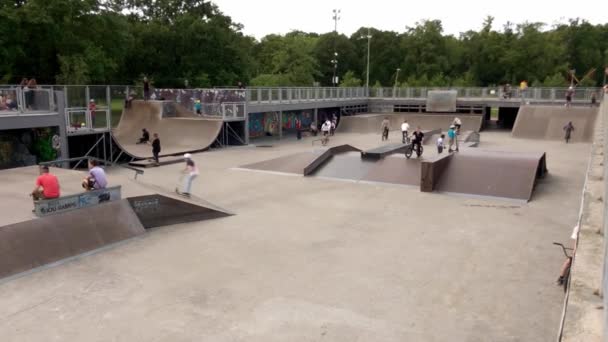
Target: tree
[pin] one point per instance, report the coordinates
(350, 80)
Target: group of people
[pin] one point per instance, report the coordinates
(145, 139)
(47, 184)
(418, 135)
(8, 102)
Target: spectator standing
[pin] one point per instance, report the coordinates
(440, 145)
(30, 90)
(92, 109)
(156, 148)
(198, 107)
(569, 94)
(453, 139)
(593, 99)
(523, 88)
(385, 127)
(146, 89)
(298, 125)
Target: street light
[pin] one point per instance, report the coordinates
(397, 77)
(334, 61)
(369, 39)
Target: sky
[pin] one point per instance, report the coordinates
(262, 17)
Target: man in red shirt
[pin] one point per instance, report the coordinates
(47, 185)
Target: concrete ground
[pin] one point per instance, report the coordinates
(310, 259)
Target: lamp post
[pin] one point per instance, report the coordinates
(369, 39)
(396, 79)
(334, 61)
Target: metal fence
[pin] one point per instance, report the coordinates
(17, 100)
(227, 103)
(532, 93)
(299, 95)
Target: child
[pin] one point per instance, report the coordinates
(198, 107)
(440, 144)
(191, 172)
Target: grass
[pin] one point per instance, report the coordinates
(494, 114)
(116, 111)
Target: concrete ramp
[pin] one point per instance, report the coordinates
(158, 210)
(303, 163)
(30, 244)
(370, 123)
(179, 130)
(547, 122)
(509, 175)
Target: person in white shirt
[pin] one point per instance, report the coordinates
(385, 127)
(190, 172)
(325, 128)
(405, 127)
(440, 145)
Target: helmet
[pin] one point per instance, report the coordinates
(187, 156)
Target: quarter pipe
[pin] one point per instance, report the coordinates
(547, 122)
(370, 123)
(179, 130)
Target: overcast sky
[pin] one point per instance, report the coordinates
(262, 17)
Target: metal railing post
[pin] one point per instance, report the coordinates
(87, 95)
(109, 108)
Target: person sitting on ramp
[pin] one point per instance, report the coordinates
(145, 137)
(47, 185)
(97, 177)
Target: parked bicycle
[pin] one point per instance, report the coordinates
(565, 276)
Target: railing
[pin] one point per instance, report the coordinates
(299, 95)
(514, 93)
(15, 100)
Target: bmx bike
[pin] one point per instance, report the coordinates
(566, 276)
(409, 150)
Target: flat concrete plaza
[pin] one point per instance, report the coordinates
(311, 259)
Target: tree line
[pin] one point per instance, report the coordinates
(191, 43)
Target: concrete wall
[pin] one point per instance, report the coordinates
(584, 316)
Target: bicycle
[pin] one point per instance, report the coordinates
(563, 280)
(409, 150)
(405, 138)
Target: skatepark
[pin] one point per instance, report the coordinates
(297, 241)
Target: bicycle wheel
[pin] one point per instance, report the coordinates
(408, 152)
(419, 151)
(567, 277)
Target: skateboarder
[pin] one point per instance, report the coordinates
(47, 185)
(452, 139)
(405, 127)
(385, 128)
(145, 137)
(97, 177)
(568, 128)
(156, 148)
(440, 145)
(190, 172)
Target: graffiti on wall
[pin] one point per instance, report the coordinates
(263, 124)
(289, 119)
